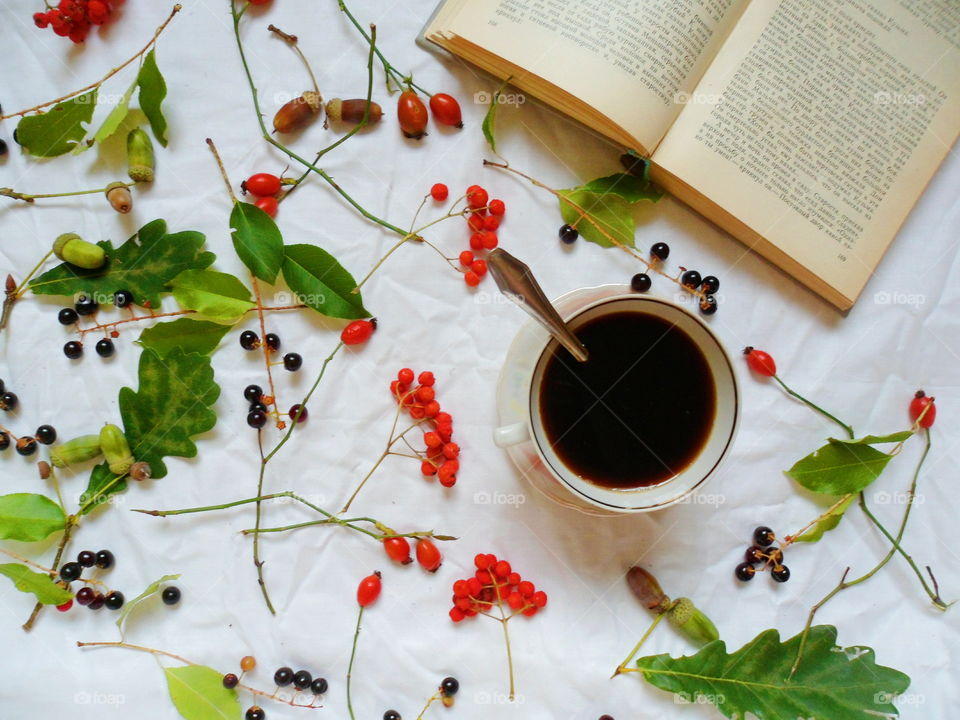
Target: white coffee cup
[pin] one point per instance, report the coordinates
(522, 434)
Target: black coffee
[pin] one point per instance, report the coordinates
(638, 411)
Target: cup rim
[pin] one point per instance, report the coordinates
(561, 476)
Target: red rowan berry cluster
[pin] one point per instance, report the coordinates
(441, 455)
(483, 220)
(74, 18)
(495, 584)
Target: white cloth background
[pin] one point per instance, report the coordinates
(902, 335)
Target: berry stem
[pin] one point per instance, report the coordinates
(50, 571)
(353, 655)
(430, 701)
(28, 198)
(503, 619)
(266, 351)
(153, 40)
(847, 428)
(622, 667)
(291, 40)
(14, 292)
(258, 563)
(792, 538)
(64, 540)
(223, 171)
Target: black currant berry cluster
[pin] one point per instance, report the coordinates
(249, 340)
(258, 412)
(93, 599)
(445, 693)
(762, 556)
(301, 680)
(87, 306)
(704, 287)
(26, 445)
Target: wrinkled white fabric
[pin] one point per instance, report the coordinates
(903, 334)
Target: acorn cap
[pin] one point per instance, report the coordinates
(61, 242)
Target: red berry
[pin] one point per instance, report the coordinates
(357, 332)
(426, 378)
(540, 598)
(466, 257)
(476, 241)
(491, 223)
(398, 550)
(447, 480)
(258, 2)
(526, 588)
(475, 222)
(439, 192)
(515, 600)
(412, 114)
(489, 240)
(476, 197)
(445, 418)
(484, 577)
(261, 185)
(481, 561)
(471, 278)
(460, 588)
(424, 394)
(514, 578)
(502, 569)
(98, 11)
(417, 413)
(40, 20)
(497, 207)
(369, 589)
(456, 614)
(66, 606)
(428, 555)
(405, 376)
(79, 33)
(432, 440)
(451, 450)
(479, 267)
(431, 409)
(760, 362)
(269, 205)
(919, 403)
(446, 110)
(530, 611)
(428, 468)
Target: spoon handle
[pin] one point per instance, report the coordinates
(517, 282)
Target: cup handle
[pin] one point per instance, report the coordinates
(511, 435)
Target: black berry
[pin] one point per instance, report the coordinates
(319, 686)
(775, 555)
(105, 559)
(302, 679)
(86, 558)
(230, 681)
(449, 686)
(249, 340)
(105, 347)
(690, 279)
(253, 393)
(114, 600)
(710, 284)
(73, 349)
(292, 362)
(569, 235)
(640, 282)
(763, 536)
(255, 712)
(85, 306)
(67, 316)
(26, 446)
(273, 341)
(46, 434)
(661, 251)
(298, 413)
(283, 676)
(781, 573)
(257, 406)
(122, 298)
(256, 419)
(754, 555)
(4, 440)
(97, 601)
(3, 147)
(85, 596)
(708, 304)
(170, 595)
(745, 572)
(70, 571)
(606, 717)
(391, 715)
(9, 401)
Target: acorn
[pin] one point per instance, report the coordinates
(78, 450)
(118, 194)
(647, 590)
(685, 616)
(43, 467)
(140, 161)
(141, 471)
(116, 449)
(298, 112)
(73, 249)
(351, 111)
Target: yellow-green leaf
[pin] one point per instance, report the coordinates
(39, 584)
(322, 283)
(219, 296)
(152, 589)
(257, 240)
(827, 522)
(607, 214)
(839, 467)
(199, 336)
(198, 693)
(153, 89)
(59, 129)
(28, 517)
(116, 117)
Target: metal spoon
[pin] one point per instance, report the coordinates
(515, 280)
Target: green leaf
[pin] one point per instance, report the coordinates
(490, 118)
(831, 683)
(144, 265)
(40, 584)
(257, 240)
(626, 186)
(153, 90)
(604, 212)
(58, 130)
(116, 117)
(881, 439)
(839, 467)
(191, 336)
(29, 518)
(100, 487)
(322, 283)
(172, 405)
(219, 296)
(152, 589)
(198, 693)
(826, 523)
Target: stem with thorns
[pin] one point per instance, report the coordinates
(353, 655)
(792, 393)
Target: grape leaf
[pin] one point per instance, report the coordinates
(153, 90)
(100, 487)
(257, 240)
(839, 467)
(219, 296)
(40, 584)
(144, 265)
(826, 523)
(58, 130)
(152, 589)
(198, 693)
(605, 213)
(489, 120)
(192, 336)
(29, 518)
(172, 405)
(831, 683)
(322, 283)
(116, 117)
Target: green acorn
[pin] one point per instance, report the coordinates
(116, 449)
(78, 450)
(73, 249)
(139, 156)
(685, 616)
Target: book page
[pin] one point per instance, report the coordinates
(635, 61)
(823, 120)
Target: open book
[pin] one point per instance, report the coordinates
(805, 128)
